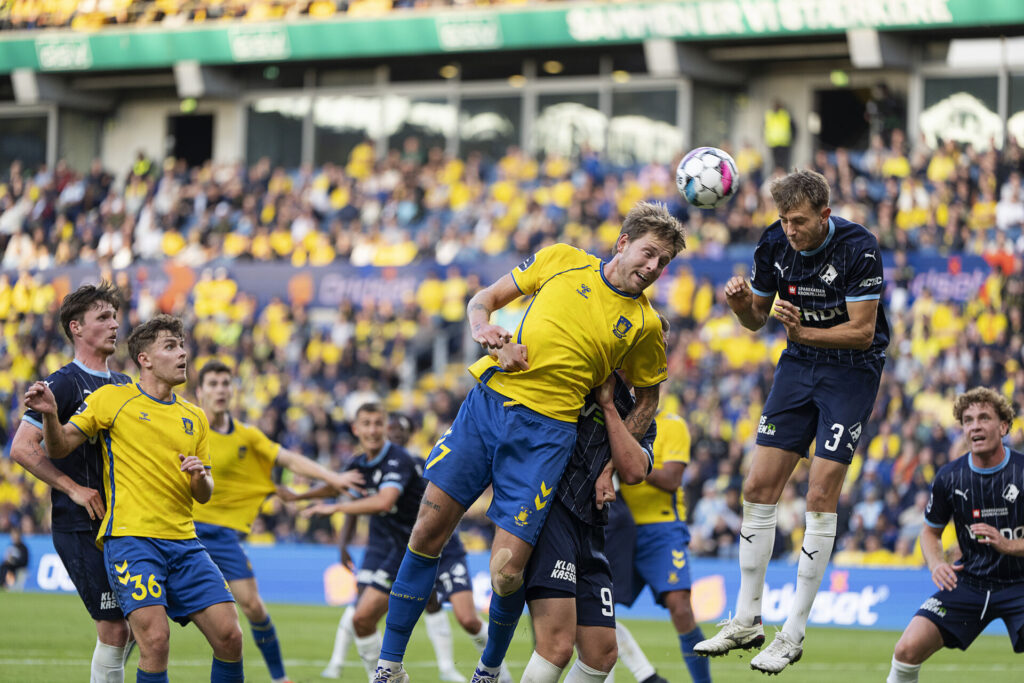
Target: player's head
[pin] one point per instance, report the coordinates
(370, 426)
(985, 416)
(650, 238)
(399, 428)
(157, 347)
(215, 388)
(89, 317)
(802, 199)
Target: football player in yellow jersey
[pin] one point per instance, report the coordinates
(156, 462)
(657, 554)
(243, 458)
(516, 429)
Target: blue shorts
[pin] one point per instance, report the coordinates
(661, 560)
(225, 548)
(521, 452)
(380, 564)
(452, 572)
(827, 404)
(569, 561)
(619, 544)
(177, 574)
(83, 562)
(964, 612)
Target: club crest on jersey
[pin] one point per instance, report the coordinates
(622, 327)
(187, 424)
(583, 291)
(828, 274)
(241, 451)
(523, 517)
(1010, 493)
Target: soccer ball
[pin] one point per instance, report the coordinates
(707, 177)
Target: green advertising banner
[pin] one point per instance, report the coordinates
(407, 33)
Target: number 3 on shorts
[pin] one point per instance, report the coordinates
(837, 433)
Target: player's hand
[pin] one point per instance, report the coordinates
(989, 535)
(90, 499)
(346, 481)
(604, 488)
(346, 560)
(491, 336)
(191, 464)
(789, 316)
(511, 357)
(606, 393)
(738, 294)
(944, 575)
(319, 509)
(39, 398)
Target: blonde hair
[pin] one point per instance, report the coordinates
(1002, 406)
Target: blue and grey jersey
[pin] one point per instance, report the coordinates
(392, 467)
(70, 386)
(968, 495)
(592, 452)
(846, 268)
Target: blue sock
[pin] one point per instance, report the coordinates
(146, 677)
(700, 668)
(266, 640)
(226, 672)
(502, 621)
(409, 594)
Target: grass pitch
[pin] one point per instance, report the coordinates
(48, 638)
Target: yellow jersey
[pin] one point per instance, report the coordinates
(648, 503)
(243, 458)
(578, 328)
(147, 493)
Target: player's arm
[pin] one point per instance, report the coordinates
(300, 464)
(485, 302)
(668, 477)
(751, 308)
(629, 458)
(348, 531)
(943, 573)
(857, 333)
(27, 451)
(989, 535)
(379, 503)
(321, 491)
(200, 479)
(639, 419)
(60, 439)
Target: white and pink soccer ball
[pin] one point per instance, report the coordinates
(707, 177)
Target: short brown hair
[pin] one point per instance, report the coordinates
(212, 367)
(654, 218)
(793, 189)
(370, 407)
(1002, 406)
(145, 334)
(77, 303)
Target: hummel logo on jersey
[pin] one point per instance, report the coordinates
(958, 492)
(566, 571)
(1010, 493)
(782, 271)
(829, 273)
(583, 291)
(678, 559)
(809, 554)
(144, 417)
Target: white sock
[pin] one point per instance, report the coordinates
(581, 673)
(540, 670)
(902, 673)
(480, 639)
(342, 639)
(819, 538)
(610, 678)
(107, 664)
(368, 648)
(439, 630)
(631, 654)
(756, 543)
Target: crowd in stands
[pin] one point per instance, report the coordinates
(87, 15)
(302, 370)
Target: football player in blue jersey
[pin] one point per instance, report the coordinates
(821, 277)
(980, 492)
(89, 318)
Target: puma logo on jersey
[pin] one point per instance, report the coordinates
(782, 271)
(958, 492)
(870, 255)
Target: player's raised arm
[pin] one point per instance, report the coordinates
(486, 301)
(751, 308)
(300, 464)
(379, 503)
(60, 439)
(629, 458)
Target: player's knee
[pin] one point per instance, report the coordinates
(557, 647)
(114, 633)
(364, 623)
(470, 623)
(907, 651)
(253, 609)
(604, 659)
(228, 644)
(506, 575)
